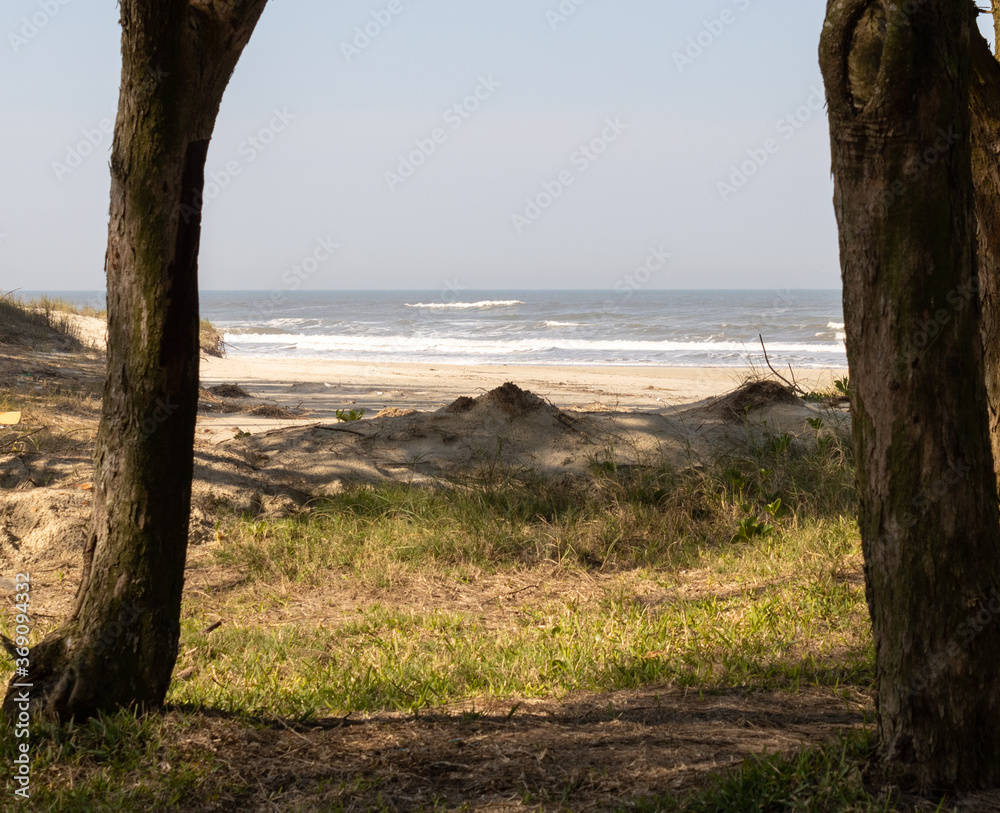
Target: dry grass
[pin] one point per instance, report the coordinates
(38, 327)
(210, 339)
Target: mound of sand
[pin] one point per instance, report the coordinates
(508, 427)
(272, 411)
(208, 401)
(219, 400)
(394, 412)
(507, 403)
(508, 399)
(229, 391)
(753, 395)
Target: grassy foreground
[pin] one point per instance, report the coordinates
(681, 590)
(739, 573)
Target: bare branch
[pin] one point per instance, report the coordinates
(791, 383)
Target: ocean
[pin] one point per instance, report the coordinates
(804, 328)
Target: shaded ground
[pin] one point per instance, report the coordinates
(600, 751)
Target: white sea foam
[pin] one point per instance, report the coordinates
(540, 327)
(486, 303)
(277, 327)
(489, 347)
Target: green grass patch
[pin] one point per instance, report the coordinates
(807, 632)
(111, 763)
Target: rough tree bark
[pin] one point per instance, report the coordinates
(985, 101)
(119, 647)
(897, 78)
(996, 29)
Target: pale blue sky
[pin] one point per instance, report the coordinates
(551, 85)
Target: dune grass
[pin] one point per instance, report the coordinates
(25, 323)
(37, 320)
(210, 339)
(53, 305)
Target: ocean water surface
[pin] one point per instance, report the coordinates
(639, 328)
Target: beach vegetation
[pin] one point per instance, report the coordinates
(210, 339)
(35, 325)
(632, 526)
(54, 305)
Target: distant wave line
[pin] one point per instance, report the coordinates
(486, 303)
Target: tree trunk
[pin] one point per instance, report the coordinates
(898, 91)
(985, 101)
(996, 29)
(119, 647)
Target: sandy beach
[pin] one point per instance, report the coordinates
(431, 424)
(311, 391)
(323, 386)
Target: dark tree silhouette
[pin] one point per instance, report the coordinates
(898, 81)
(120, 644)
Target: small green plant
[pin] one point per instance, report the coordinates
(843, 386)
(735, 480)
(348, 415)
(815, 423)
(775, 509)
(749, 528)
(779, 444)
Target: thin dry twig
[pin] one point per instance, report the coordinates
(795, 387)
